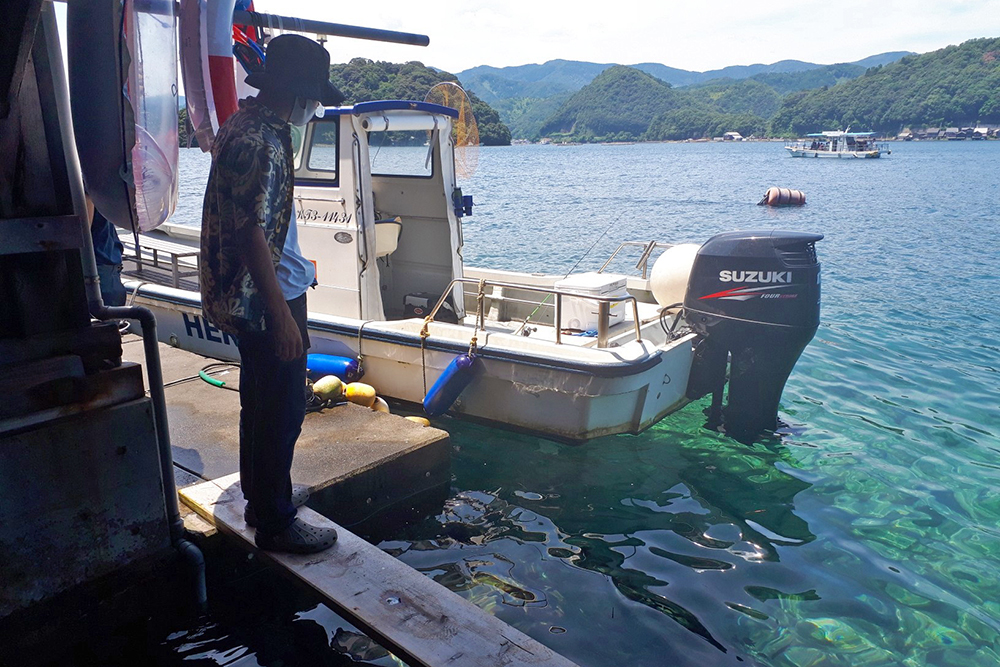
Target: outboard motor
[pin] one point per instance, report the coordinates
(753, 297)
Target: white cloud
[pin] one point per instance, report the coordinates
(690, 35)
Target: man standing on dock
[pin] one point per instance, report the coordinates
(245, 244)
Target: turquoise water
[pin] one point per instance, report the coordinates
(865, 532)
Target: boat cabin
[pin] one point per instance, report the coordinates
(842, 141)
(375, 202)
(836, 144)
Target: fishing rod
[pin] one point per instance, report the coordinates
(579, 261)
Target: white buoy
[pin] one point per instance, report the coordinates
(668, 280)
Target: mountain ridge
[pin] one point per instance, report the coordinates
(561, 76)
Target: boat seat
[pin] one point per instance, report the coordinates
(387, 233)
(150, 248)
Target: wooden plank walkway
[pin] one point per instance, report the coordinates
(409, 614)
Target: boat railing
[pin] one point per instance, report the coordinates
(647, 250)
(603, 305)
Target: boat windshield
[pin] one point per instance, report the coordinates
(400, 153)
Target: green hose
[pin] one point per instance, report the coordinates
(211, 380)
(217, 368)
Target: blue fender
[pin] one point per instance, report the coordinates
(453, 381)
(321, 365)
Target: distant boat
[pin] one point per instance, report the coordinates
(836, 144)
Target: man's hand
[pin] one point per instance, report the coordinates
(280, 323)
(287, 336)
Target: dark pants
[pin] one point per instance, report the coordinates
(112, 291)
(272, 407)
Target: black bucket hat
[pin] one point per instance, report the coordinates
(300, 66)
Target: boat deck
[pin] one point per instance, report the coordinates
(620, 332)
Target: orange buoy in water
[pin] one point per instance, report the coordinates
(782, 197)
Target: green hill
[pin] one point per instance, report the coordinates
(527, 96)
(616, 106)
(494, 89)
(957, 85)
(362, 80)
(954, 86)
(533, 81)
(526, 115)
(784, 83)
(625, 104)
(746, 96)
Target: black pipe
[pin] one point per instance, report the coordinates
(241, 17)
(151, 351)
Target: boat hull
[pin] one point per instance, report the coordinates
(834, 154)
(558, 391)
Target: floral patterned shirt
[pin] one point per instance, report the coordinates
(250, 182)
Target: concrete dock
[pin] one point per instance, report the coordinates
(357, 464)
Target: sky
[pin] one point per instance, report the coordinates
(691, 35)
(697, 36)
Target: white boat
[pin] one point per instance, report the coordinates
(380, 214)
(836, 144)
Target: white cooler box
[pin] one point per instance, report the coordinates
(583, 313)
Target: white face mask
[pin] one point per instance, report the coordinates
(302, 111)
